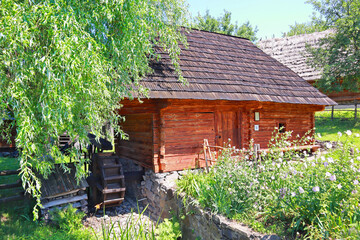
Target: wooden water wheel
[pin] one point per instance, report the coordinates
(109, 187)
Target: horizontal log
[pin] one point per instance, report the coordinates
(187, 116)
(9, 172)
(190, 130)
(136, 157)
(192, 123)
(11, 185)
(136, 145)
(65, 201)
(16, 197)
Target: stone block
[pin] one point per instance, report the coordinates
(270, 237)
(148, 185)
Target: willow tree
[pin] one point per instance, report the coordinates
(66, 64)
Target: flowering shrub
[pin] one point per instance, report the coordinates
(300, 196)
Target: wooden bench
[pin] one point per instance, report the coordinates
(313, 148)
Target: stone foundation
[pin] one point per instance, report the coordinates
(159, 193)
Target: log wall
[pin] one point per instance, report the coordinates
(168, 134)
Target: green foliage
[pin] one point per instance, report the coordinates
(310, 198)
(68, 219)
(223, 25)
(306, 28)
(66, 64)
(339, 54)
(168, 229)
(16, 223)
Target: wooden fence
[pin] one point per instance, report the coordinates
(337, 110)
(18, 192)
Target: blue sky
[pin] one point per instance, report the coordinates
(272, 17)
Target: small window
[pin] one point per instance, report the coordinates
(282, 127)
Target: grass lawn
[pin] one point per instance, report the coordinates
(329, 128)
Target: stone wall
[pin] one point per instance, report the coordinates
(158, 190)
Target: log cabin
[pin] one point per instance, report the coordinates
(234, 93)
(291, 51)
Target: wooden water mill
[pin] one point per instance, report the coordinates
(107, 179)
(109, 189)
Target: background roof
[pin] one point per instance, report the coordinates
(222, 67)
(291, 52)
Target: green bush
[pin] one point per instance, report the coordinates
(69, 220)
(169, 229)
(309, 198)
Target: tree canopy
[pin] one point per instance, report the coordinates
(316, 25)
(338, 54)
(66, 64)
(224, 25)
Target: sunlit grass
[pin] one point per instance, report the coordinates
(329, 129)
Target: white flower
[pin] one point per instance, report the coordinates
(301, 190)
(356, 182)
(330, 160)
(340, 134)
(272, 177)
(328, 145)
(293, 194)
(357, 135)
(326, 164)
(332, 178)
(327, 174)
(339, 186)
(319, 135)
(313, 164)
(348, 132)
(322, 158)
(316, 189)
(358, 158)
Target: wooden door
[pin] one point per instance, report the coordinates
(227, 128)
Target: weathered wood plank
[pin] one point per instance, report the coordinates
(9, 172)
(11, 185)
(65, 201)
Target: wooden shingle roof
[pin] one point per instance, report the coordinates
(291, 52)
(222, 67)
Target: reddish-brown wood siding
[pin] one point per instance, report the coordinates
(178, 128)
(139, 146)
(227, 128)
(184, 134)
(299, 120)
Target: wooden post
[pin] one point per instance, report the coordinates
(161, 141)
(332, 113)
(355, 112)
(206, 145)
